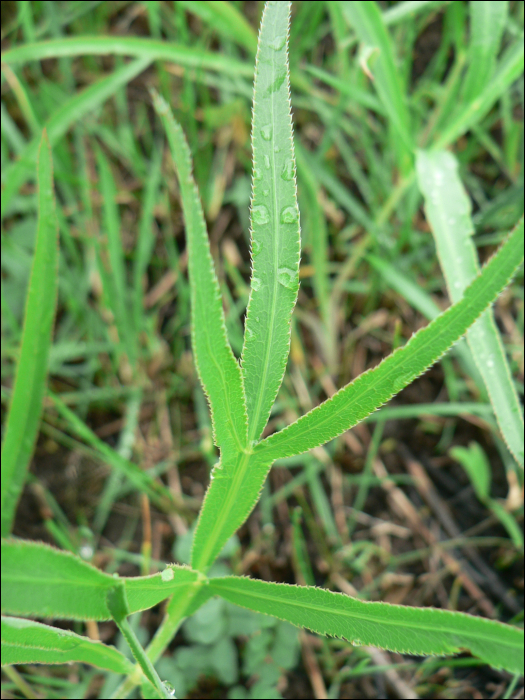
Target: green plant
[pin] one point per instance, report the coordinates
(38, 580)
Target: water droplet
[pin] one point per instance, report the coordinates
(256, 284)
(260, 214)
(257, 319)
(167, 575)
(249, 333)
(266, 132)
(278, 43)
(289, 215)
(457, 284)
(267, 161)
(287, 171)
(86, 551)
(170, 690)
(357, 643)
(276, 149)
(256, 246)
(287, 277)
(257, 174)
(266, 192)
(490, 364)
(277, 83)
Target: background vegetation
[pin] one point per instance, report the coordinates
(387, 511)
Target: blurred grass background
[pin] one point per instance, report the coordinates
(386, 511)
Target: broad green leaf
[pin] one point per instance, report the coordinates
(235, 484)
(67, 114)
(366, 19)
(487, 22)
(28, 642)
(40, 580)
(448, 211)
(218, 369)
(468, 114)
(395, 627)
(275, 239)
(30, 379)
(373, 388)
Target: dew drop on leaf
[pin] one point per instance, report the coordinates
(249, 333)
(256, 247)
(278, 43)
(287, 171)
(260, 214)
(266, 192)
(287, 277)
(267, 161)
(256, 283)
(257, 174)
(167, 575)
(266, 132)
(289, 215)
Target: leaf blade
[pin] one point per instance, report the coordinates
(448, 210)
(217, 367)
(395, 627)
(31, 372)
(370, 390)
(275, 233)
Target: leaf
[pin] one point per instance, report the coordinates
(235, 484)
(487, 22)
(395, 627)
(275, 238)
(218, 369)
(373, 388)
(28, 642)
(468, 114)
(30, 380)
(448, 210)
(40, 580)
(366, 19)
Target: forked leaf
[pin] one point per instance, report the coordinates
(448, 210)
(30, 380)
(40, 580)
(218, 369)
(396, 627)
(28, 642)
(373, 388)
(275, 239)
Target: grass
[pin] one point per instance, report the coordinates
(374, 511)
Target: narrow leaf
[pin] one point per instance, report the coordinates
(28, 642)
(366, 19)
(31, 372)
(487, 22)
(373, 388)
(448, 211)
(236, 482)
(275, 242)
(40, 580)
(218, 369)
(398, 628)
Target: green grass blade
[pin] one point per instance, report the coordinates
(395, 627)
(143, 48)
(67, 114)
(40, 580)
(233, 492)
(371, 389)
(275, 244)
(448, 211)
(487, 22)
(366, 19)
(30, 382)
(225, 19)
(218, 369)
(28, 642)
(469, 114)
